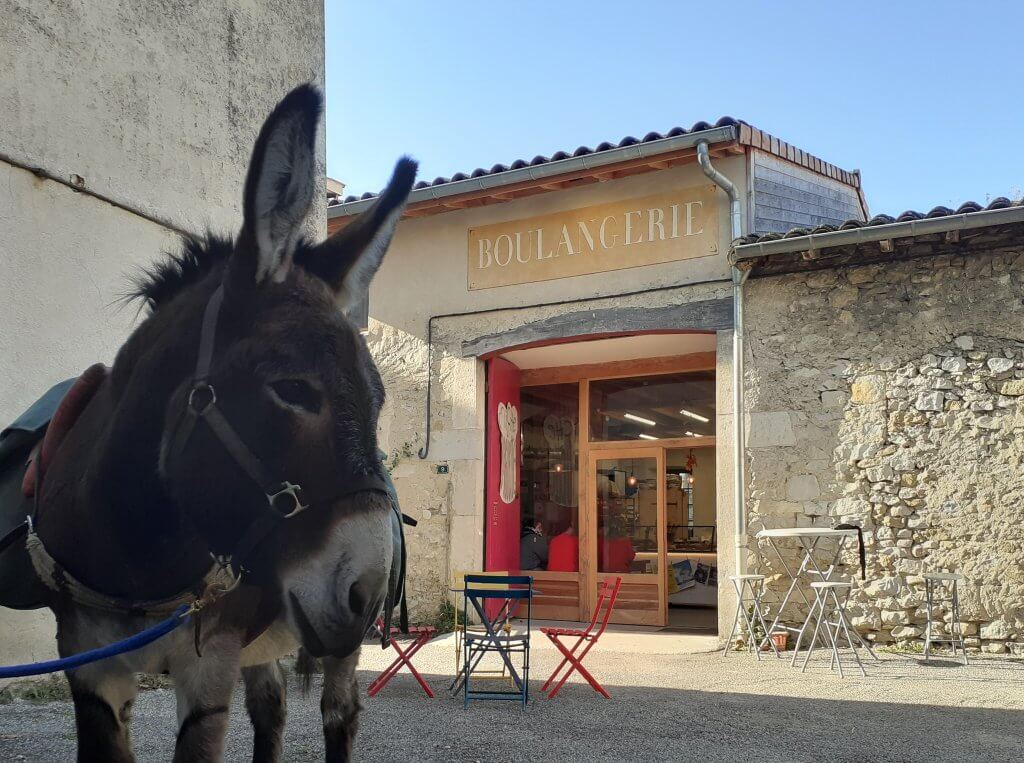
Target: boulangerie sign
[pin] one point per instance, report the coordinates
(669, 226)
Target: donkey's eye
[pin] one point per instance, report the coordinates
(297, 393)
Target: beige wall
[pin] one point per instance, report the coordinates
(155, 106)
(424, 274)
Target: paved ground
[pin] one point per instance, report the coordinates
(678, 707)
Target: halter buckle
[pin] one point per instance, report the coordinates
(287, 501)
(201, 398)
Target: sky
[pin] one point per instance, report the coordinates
(925, 98)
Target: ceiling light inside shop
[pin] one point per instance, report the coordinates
(692, 415)
(647, 437)
(694, 434)
(641, 419)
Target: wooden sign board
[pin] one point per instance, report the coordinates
(670, 226)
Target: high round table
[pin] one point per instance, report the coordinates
(809, 539)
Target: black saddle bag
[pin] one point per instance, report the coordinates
(20, 588)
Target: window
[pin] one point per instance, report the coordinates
(627, 515)
(653, 407)
(550, 472)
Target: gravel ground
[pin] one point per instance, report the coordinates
(677, 707)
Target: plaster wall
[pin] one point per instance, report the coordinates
(154, 105)
(424, 275)
(450, 506)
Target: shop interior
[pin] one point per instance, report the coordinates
(637, 480)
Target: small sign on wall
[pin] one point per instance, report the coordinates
(671, 226)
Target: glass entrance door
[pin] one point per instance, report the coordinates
(626, 531)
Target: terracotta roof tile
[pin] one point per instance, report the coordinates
(967, 207)
(629, 140)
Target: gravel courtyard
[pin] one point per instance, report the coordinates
(671, 707)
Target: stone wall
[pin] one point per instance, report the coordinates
(892, 396)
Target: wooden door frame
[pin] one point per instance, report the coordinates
(582, 375)
(589, 574)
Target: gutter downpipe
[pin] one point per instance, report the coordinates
(739, 424)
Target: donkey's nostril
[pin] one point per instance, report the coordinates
(357, 599)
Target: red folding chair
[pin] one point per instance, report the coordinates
(420, 636)
(605, 599)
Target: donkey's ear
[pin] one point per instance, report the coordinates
(348, 260)
(279, 187)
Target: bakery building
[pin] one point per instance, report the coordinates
(565, 341)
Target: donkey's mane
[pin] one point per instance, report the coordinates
(160, 282)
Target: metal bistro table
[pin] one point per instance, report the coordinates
(505, 612)
(809, 539)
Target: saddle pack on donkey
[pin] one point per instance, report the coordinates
(25, 447)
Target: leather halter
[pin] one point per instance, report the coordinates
(285, 499)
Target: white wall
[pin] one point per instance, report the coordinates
(154, 105)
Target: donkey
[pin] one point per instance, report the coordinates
(238, 422)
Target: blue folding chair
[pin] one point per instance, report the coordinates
(495, 607)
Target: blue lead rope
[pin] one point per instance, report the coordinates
(129, 644)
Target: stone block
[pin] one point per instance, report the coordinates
(999, 365)
(964, 342)
(787, 509)
(893, 617)
(930, 401)
(857, 276)
(881, 473)
(954, 365)
(833, 399)
(466, 543)
(988, 422)
(906, 631)
(821, 279)
(844, 296)
(803, 487)
(457, 445)
(864, 623)
(467, 488)
(997, 629)
(770, 429)
(904, 461)
(868, 389)
(1011, 387)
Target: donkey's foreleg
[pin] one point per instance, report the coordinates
(265, 702)
(203, 686)
(103, 703)
(340, 707)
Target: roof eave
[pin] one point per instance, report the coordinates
(549, 170)
(742, 255)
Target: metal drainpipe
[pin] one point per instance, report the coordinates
(739, 426)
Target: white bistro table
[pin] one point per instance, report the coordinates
(809, 538)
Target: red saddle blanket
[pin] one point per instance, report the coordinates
(70, 408)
